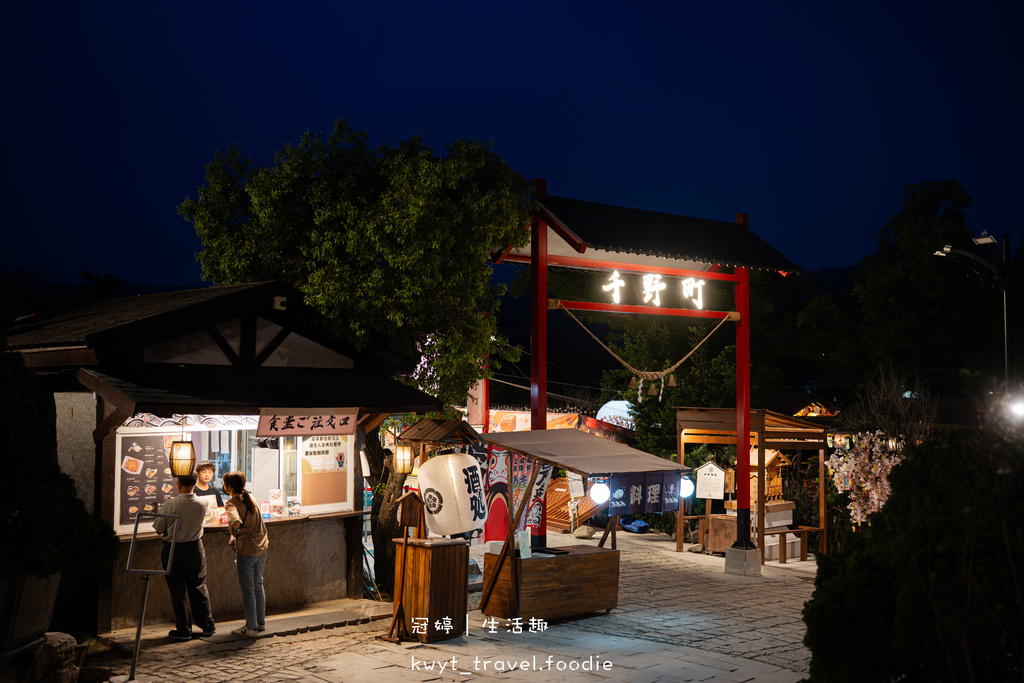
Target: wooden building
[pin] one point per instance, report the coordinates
(131, 375)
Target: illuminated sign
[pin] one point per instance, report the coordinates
(306, 421)
(654, 290)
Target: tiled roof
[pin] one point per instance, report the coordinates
(74, 326)
(169, 389)
(650, 233)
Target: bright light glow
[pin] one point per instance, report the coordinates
(599, 493)
(1018, 408)
(403, 459)
(616, 284)
(689, 285)
(686, 487)
(652, 288)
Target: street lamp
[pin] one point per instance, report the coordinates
(1001, 269)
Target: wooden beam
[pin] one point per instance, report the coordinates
(272, 345)
(561, 229)
(46, 359)
(115, 419)
(370, 421)
(223, 345)
(115, 398)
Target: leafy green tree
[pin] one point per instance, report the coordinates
(390, 244)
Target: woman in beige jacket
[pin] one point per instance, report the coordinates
(249, 534)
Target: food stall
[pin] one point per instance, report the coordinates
(215, 366)
(562, 582)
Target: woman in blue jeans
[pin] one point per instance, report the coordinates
(249, 534)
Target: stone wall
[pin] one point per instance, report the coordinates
(305, 563)
(76, 453)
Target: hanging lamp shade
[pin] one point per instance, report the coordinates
(182, 457)
(453, 494)
(403, 459)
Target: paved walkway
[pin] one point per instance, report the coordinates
(680, 618)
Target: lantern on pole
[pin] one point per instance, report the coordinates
(453, 494)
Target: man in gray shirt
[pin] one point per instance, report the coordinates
(188, 572)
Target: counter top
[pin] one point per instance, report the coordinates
(270, 521)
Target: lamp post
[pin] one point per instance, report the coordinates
(1001, 269)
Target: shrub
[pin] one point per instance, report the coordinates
(43, 524)
(933, 592)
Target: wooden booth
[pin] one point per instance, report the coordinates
(770, 434)
(562, 582)
(244, 374)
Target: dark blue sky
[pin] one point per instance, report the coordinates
(809, 118)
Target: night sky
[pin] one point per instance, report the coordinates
(809, 118)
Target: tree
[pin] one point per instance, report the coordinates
(915, 307)
(390, 245)
(98, 287)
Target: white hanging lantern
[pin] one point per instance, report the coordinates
(453, 494)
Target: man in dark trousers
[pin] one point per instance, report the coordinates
(188, 571)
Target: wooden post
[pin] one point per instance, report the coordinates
(822, 512)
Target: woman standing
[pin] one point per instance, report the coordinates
(250, 541)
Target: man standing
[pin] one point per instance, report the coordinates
(188, 572)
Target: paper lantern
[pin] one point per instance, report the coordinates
(453, 494)
(403, 459)
(599, 493)
(182, 457)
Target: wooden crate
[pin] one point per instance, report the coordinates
(436, 586)
(584, 580)
(722, 533)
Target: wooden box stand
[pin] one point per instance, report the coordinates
(436, 586)
(586, 579)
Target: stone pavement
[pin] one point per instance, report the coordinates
(680, 618)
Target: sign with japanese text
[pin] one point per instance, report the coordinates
(710, 481)
(637, 493)
(306, 421)
(653, 289)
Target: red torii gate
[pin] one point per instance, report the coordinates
(736, 247)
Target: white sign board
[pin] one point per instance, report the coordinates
(575, 485)
(710, 481)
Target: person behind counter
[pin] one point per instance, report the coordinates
(251, 542)
(205, 471)
(188, 571)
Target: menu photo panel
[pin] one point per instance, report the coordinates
(145, 480)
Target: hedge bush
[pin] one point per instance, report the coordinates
(934, 591)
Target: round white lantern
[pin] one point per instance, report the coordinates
(452, 489)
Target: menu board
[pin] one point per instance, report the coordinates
(146, 480)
